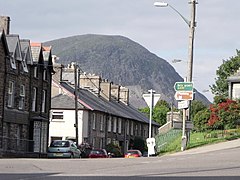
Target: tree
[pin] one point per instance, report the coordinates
(224, 115)
(159, 112)
(201, 119)
(228, 68)
(196, 106)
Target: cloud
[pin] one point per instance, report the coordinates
(160, 30)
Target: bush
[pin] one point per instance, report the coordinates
(139, 143)
(115, 150)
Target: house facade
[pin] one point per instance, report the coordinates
(20, 104)
(104, 113)
(234, 86)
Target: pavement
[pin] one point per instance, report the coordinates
(213, 147)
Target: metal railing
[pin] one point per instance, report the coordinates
(16, 145)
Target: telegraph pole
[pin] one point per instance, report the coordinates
(76, 101)
(190, 55)
(192, 26)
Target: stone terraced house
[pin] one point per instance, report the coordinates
(25, 97)
(104, 114)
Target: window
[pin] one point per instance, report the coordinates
(94, 141)
(35, 72)
(10, 94)
(136, 129)
(93, 121)
(131, 128)
(144, 133)
(24, 65)
(108, 140)
(44, 74)
(109, 124)
(101, 142)
(22, 97)
(140, 129)
(44, 101)
(12, 62)
(236, 91)
(34, 99)
(127, 127)
(114, 124)
(119, 126)
(57, 115)
(101, 123)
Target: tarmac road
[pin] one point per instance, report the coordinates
(217, 161)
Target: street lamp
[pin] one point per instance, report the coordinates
(177, 60)
(191, 24)
(164, 4)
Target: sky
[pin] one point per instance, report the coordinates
(159, 29)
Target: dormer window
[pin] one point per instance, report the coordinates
(13, 63)
(24, 65)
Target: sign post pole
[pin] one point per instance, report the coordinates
(151, 100)
(184, 92)
(150, 117)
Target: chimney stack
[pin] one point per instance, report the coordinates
(90, 81)
(115, 92)
(5, 24)
(105, 87)
(124, 95)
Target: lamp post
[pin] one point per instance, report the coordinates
(191, 24)
(76, 87)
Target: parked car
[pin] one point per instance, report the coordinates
(98, 153)
(133, 153)
(63, 149)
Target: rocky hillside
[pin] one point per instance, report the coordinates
(123, 62)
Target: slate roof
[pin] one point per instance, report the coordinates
(98, 103)
(63, 101)
(26, 50)
(12, 42)
(4, 41)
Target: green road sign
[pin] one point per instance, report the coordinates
(183, 86)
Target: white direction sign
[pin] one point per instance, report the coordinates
(182, 104)
(147, 98)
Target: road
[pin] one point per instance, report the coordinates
(221, 161)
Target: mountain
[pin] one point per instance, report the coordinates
(121, 61)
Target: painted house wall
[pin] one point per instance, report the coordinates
(64, 128)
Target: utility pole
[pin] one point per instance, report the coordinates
(76, 101)
(192, 26)
(191, 39)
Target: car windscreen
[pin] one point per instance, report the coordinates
(132, 152)
(97, 152)
(60, 144)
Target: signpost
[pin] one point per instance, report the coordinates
(184, 95)
(179, 125)
(151, 100)
(183, 86)
(184, 92)
(183, 104)
(147, 98)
